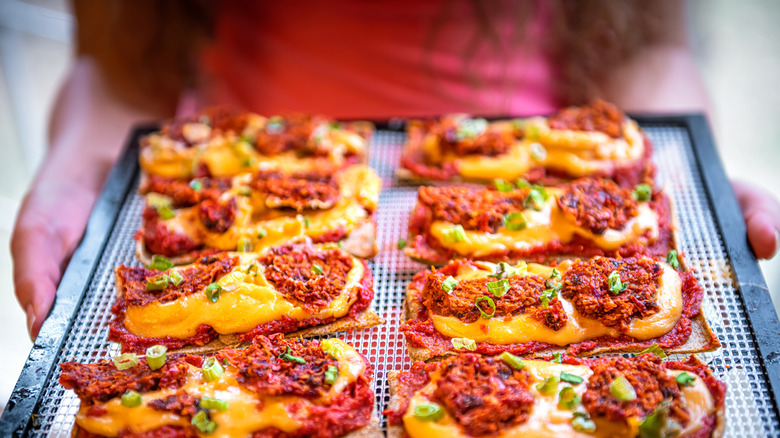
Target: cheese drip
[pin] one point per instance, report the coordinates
(359, 190)
(546, 226)
(546, 419)
(523, 328)
(246, 301)
(243, 416)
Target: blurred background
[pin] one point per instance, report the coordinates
(735, 45)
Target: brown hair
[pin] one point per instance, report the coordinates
(147, 47)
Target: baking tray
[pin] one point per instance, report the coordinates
(736, 303)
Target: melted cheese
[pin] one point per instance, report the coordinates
(545, 419)
(578, 328)
(359, 186)
(247, 412)
(546, 226)
(245, 302)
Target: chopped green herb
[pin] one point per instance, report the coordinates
(449, 284)
(515, 221)
(499, 288)
(656, 350)
(455, 234)
(622, 389)
(401, 244)
(196, 185)
(511, 360)
(571, 378)
(568, 399)
(160, 263)
(685, 379)
(212, 292)
(615, 285)
(643, 192)
(503, 185)
(557, 357)
(671, 259)
(490, 303)
(549, 386)
(463, 343)
(316, 269)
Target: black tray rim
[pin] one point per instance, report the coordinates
(19, 415)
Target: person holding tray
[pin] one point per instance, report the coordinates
(139, 61)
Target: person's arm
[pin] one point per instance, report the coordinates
(663, 77)
(87, 130)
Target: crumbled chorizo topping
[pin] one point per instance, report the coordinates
(181, 191)
(315, 189)
(596, 116)
(586, 284)
(290, 268)
(220, 120)
(262, 369)
(181, 403)
(523, 296)
(291, 133)
(102, 381)
(650, 381)
(217, 216)
(597, 205)
(480, 210)
(195, 278)
(483, 394)
(489, 142)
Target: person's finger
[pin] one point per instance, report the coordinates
(37, 258)
(761, 211)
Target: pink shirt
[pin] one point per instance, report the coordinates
(377, 58)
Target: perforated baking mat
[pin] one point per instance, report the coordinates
(750, 407)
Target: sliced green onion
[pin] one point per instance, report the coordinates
(261, 233)
(213, 403)
(131, 399)
(505, 270)
(658, 424)
(244, 190)
(511, 360)
(428, 412)
(306, 222)
(531, 132)
(536, 197)
(555, 275)
(685, 379)
(622, 389)
(212, 292)
(196, 185)
(583, 424)
(671, 259)
(656, 350)
(449, 284)
(549, 386)
(156, 356)
(286, 356)
(490, 303)
(503, 185)
(463, 343)
(165, 212)
(160, 263)
(225, 362)
(212, 369)
(252, 269)
(163, 204)
(331, 375)
(316, 269)
(615, 285)
(202, 423)
(571, 378)
(175, 277)
(125, 361)
(643, 192)
(499, 288)
(557, 357)
(455, 234)
(244, 245)
(548, 294)
(521, 183)
(515, 221)
(159, 282)
(470, 128)
(401, 244)
(568, 399)
(538, 152)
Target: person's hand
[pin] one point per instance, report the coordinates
(761, 211)
(48, 228)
